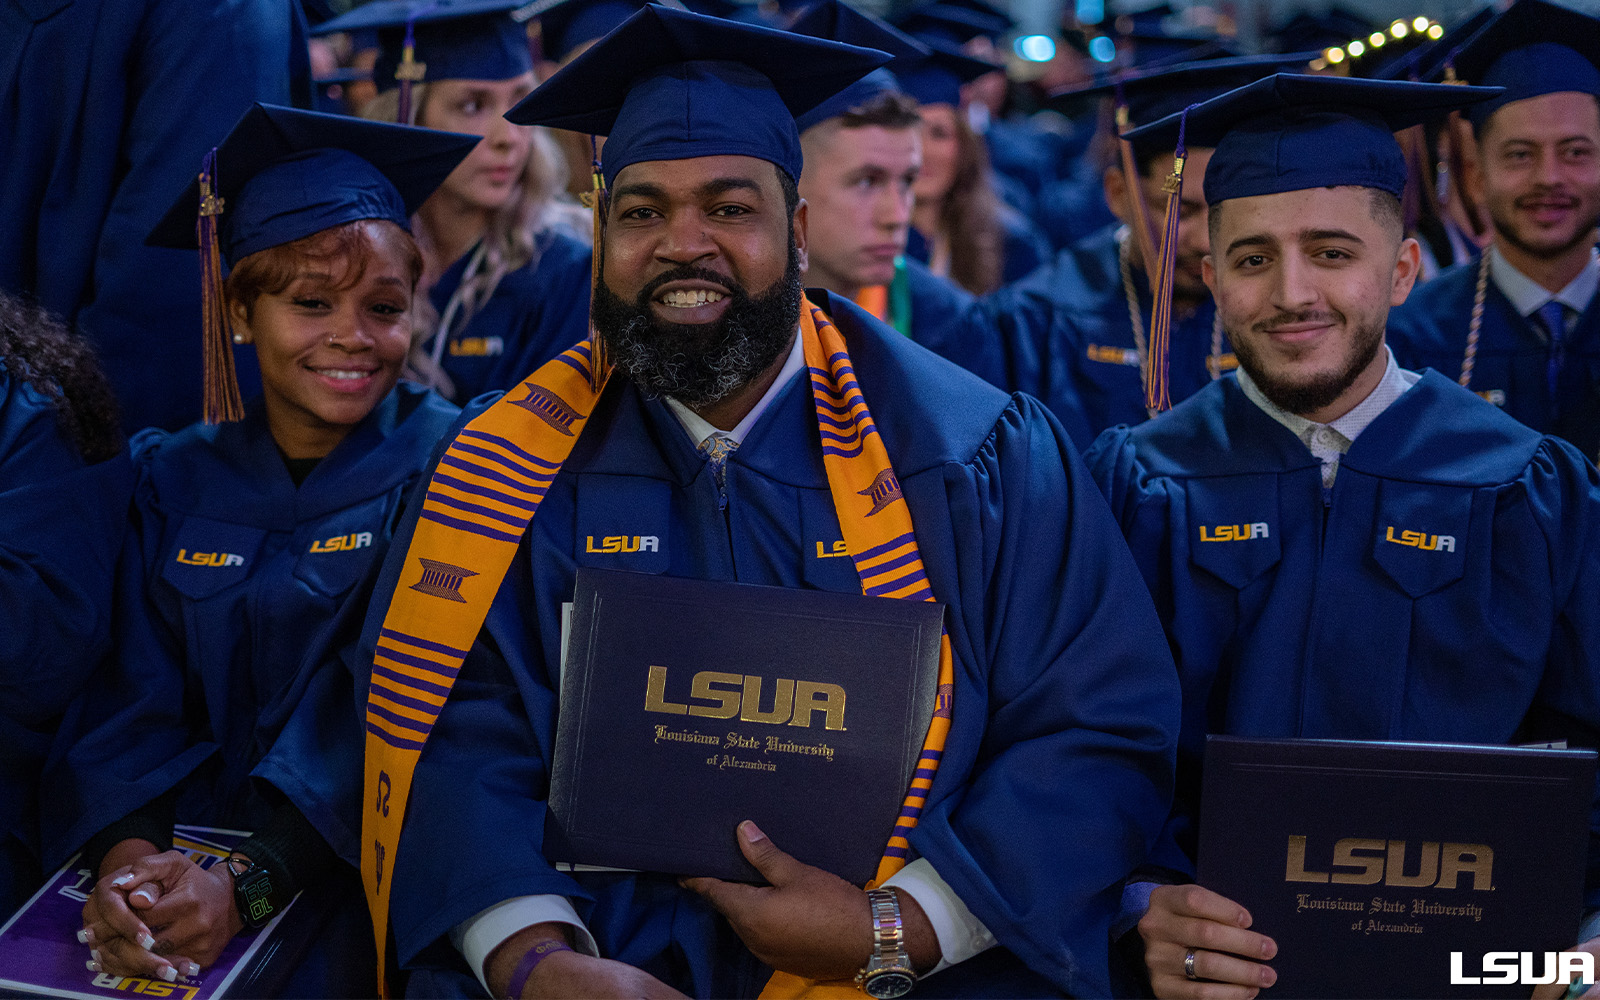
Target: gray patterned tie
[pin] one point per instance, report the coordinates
(716, 448)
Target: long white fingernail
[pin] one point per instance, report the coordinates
(122, 880)
(191, 969)
(94, 953)
(169, 973)
(145, 893)
(147, 942)
(92, 966)
(83, 936)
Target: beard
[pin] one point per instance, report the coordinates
(1308, 395)
(699, 364)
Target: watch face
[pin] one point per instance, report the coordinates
(888, 984)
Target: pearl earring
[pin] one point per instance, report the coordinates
(238, 338)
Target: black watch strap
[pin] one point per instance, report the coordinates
(254, 894)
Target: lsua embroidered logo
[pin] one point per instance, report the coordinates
(440, 579)
(884, 491)
(343, 543)
(623, 544)
(477, 347)
(1421, 540)
(838, 551)
(209, 558)
(1234, 532)
(547, 406)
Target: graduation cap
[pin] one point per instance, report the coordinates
(671, 85)
(936, 78)
(565, 25)
(1152, 94)
(956, 22)
(1532, 49)
(440, 39)
(283, 174)
(840, 22)
(1289, 132)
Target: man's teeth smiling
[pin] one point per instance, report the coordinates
(688, 300)
(341, 373)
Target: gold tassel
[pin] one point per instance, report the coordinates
(221, 383)
(1158, 392)
(1139, 216)
(595, 201)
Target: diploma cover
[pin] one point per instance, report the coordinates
(40, 953)
(690, 705)
(1369, 863)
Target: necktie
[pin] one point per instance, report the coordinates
(1554, 317)
(716, 448)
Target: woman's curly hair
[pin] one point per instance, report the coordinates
(37, 348)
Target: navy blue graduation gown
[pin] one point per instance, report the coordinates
(1430, 331)
(1069, 340)
(109, 106)
(228, 573)
(1319, 625)
(63, 527)
(1055, 776)
(945, 319)
(535, 313)
(1073, 207)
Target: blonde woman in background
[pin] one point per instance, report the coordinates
(506, 252)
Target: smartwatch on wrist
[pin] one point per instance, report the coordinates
(888, 973)
(253, 893)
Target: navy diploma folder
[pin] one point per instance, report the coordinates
(1372, 863)
(690, 705)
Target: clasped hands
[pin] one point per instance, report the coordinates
(806, 921)
(158, 916)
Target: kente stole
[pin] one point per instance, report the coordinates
(890, 303)
(485, 490)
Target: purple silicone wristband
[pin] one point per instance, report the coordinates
(530, 961)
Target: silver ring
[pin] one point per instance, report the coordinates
(1188, 966)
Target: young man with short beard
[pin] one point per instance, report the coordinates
(1520, 325)
(732, 420)
(1340, 548)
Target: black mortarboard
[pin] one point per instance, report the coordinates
(840, 22)
(1290, 132)
(936, 78)
(671, 85)
(454, 39)
(565, 25)
(1532, 49)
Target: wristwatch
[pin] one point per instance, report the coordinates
(253, 893)
(888, 973)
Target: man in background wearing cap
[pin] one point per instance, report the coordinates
(864, 147)
(1520, 325)
(1054, 777)
(1271, 512)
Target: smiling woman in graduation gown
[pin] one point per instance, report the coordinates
(247, 534)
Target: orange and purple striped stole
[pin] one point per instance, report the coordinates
(484, 492)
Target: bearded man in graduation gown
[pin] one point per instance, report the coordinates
(1338, 547)
(1520, 325)
(1054, 779)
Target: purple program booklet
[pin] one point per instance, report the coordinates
(40, 954)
